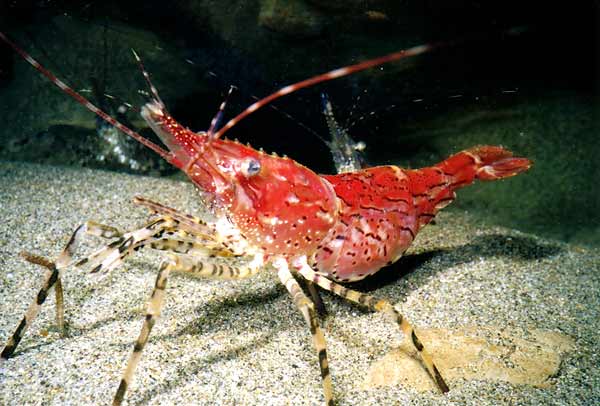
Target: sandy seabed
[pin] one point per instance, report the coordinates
(244, 342)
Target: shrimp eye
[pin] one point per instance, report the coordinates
(251, 167)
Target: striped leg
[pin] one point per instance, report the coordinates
(316, 299)
(101, 230)
(183, 244)
(307, 309)
(378, 305)
(186, 235)
(186, 221)
(153, 311)
(226, 236)
(176, 265)
(58, 290)
(200, 269)
(113, 254)
(60, 307)
(179, 240)
(51, 278)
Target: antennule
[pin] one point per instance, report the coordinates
(217, 118)
(147, 78)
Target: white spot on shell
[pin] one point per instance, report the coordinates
(328, 218)
(336, 244)
(364, 225)
(292, 198)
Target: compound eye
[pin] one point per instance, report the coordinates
(251, 167)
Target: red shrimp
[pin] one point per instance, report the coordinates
(323, 228)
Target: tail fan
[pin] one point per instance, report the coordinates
(483, 162)
(434, 188)
(499, 163)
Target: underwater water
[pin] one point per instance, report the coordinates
(512, 80)
(498, 78)
(503, 74)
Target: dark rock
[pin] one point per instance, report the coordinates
(96, 60)
(294, 18)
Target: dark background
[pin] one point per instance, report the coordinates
(524, 76)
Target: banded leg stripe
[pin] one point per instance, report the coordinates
(307, 309)
(50, 278)
(208, 270)
(153, 312)
(378, 305)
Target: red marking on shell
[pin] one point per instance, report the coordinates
(376, 216)
(384, 207)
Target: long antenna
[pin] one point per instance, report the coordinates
(334, 74)
(348, 70)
